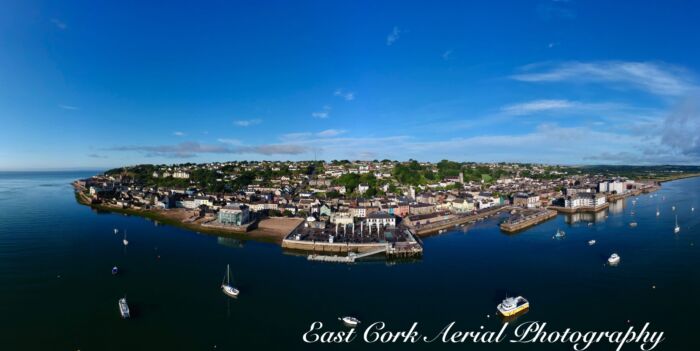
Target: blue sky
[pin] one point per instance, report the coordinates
(572, 82)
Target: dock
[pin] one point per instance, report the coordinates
(526, 220)
(350, 258)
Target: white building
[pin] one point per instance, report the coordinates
(381, 219)
(181, 175)
(585, 200)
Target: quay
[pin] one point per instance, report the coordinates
(580, 209)
(526, 219)
(349, 245)
(433, 228)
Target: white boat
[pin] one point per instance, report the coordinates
(349, 321)
(657, 212)
(614, 259)
(115, 270)
(676, 229)
(226, 284)
(591, 242)
(513, 305)
(124, 308)
(673, 208)
(116, 230)
(692, 209)
(559, 234)
(126, 242)
(633, 224)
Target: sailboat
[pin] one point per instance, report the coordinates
(676, 229)
(226, 284)
(126, 242)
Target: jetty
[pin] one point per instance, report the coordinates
(350, 258)
(526, 219)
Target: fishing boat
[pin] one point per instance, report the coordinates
(614, 259)
(591, 242)
(349, 321)
(126, 242)
(676, 229)
(560, 234)
(226, 284)
(124, 308)
(115, 270)
(512, 305)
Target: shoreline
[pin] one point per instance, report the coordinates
(269, 230)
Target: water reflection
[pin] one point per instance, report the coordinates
(230, 242)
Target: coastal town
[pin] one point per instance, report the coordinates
(344, 210)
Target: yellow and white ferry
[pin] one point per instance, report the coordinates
(512, 306)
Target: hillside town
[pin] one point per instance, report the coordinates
(354, 202)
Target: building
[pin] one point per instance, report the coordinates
(527, 200)
(234, 215)
(381, 219)
(612, 187)
(181, 175)
(585, 200)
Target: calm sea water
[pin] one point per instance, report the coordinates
(56, 290)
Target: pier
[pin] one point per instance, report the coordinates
(526, 219)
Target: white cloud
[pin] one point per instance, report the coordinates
(537, 106)
(330, 132)
(229, 141)
(393, 36)
(247, 122)
(59, 24)
(68, 107)
(347, 95)
(655, 78)
(179, 134)
(323, 114)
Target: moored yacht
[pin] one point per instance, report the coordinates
(116, 230)
(676, 229)
(591, 242)
(349, 321)
(124, 308)
(512, 305)
(559, 234)
(614, 259)
(124, 241)
(226, 286)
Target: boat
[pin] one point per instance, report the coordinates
(614, 259)
(124, 308)
(512, 305)
(559, 234)
(126, 242)
(116, 230)
(676, 229)
(226, 284)
(115, 270)
(351, 322)
(633, 224)
(591, 242)
(657, 212)
(673, 208)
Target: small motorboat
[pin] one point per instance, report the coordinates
(226, 286)
(633, 224)
(512, 305)
(115, 270)
(124, 308)
(591, 242)
(351, 322)
(614, 259)
(560, 234)
(116, 230)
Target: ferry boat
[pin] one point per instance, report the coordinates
(614, 259)
(512, 305)
(676, 229)
(349, 321)
(115, 270)
(591, 242)
(559, 234)
(226, 284)
(124, 308)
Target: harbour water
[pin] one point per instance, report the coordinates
(57, 292)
